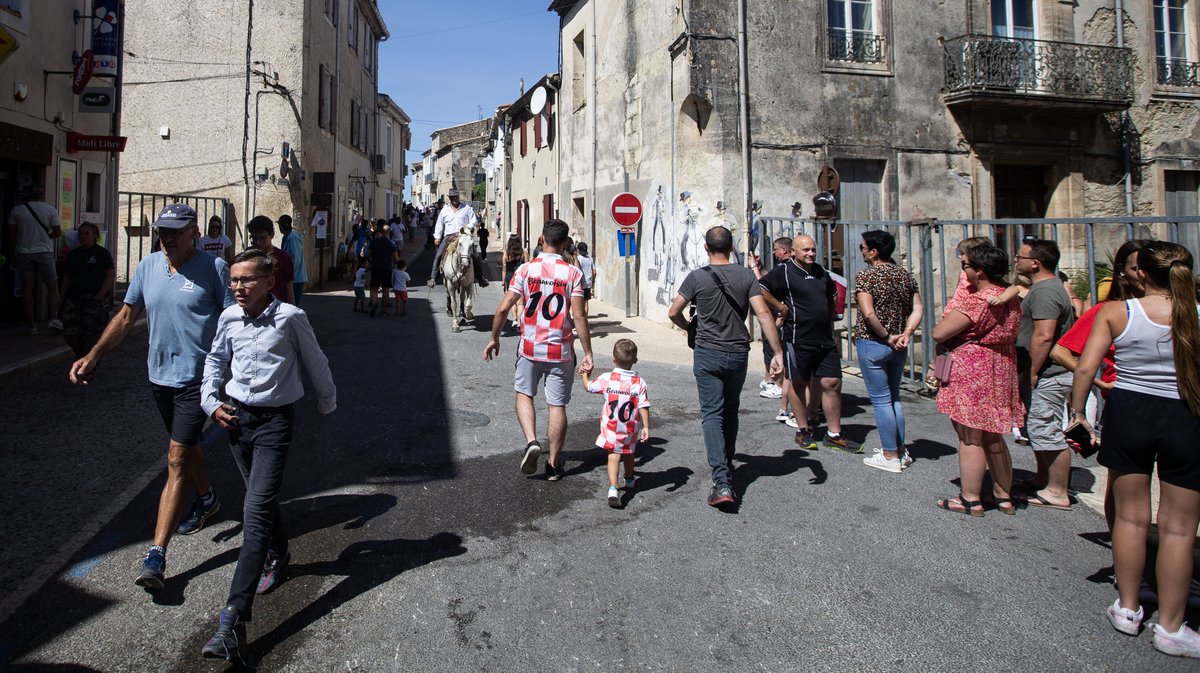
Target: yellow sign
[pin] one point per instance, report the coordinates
(8, 44)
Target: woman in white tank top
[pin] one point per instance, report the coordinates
(1152, 420)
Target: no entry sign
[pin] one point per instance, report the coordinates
(626, 211)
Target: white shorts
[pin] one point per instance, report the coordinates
(559, 377)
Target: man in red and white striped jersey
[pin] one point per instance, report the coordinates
(553, 293)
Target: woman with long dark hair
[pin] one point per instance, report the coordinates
(1151, 421)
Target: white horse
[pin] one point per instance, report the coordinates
(459, 275)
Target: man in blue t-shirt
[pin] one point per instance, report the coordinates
(182, 293)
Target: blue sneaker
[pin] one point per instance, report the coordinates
(199, 515)
(226, 642)
(153, 568)
(274, 572)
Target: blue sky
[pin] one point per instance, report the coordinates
(448, 59)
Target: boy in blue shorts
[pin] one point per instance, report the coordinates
(250, 387)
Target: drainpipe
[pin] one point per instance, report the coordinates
(1119, 9)
(744, 112)
(246, 119)
(744, 104)
(595, 128)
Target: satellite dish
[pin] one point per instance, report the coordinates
(828, 180)
(538, 100)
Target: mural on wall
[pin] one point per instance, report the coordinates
(675, 243)
(691, 233)
(662, 259)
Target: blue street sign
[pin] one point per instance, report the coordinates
(626, 244)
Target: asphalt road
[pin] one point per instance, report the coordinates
(419, 546)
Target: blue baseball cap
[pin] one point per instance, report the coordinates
(176, 216)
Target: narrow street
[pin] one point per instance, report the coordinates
(419, 546)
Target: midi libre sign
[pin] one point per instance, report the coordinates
(77, 142)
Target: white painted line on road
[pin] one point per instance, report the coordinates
(87, 531)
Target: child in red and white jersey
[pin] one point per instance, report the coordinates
(626, 406)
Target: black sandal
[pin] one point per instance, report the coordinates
(1011, 508)
(968, 506)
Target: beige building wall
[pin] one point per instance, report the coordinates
(191, 79)
(528, 189)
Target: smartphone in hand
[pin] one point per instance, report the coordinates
(1081, 440)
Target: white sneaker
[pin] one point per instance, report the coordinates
(769, 390)
(783, 416)
(614, 497)
(791, 422)
(55, 325)
(631, 482)
(905, 460)
(879, 462)
(1125, 620)
(1183, 643)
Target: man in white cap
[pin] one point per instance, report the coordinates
(454, 217)
(182, 292)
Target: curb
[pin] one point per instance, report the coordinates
(51, 355)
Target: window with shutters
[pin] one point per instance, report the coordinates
(331, 11)
(537, 131)
(547, 207)
(524, 141)
(352, 26)
(322, 98)
(353, 123)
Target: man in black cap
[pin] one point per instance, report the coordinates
(182, 292)
(455, 217)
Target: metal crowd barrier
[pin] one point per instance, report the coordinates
(136, 212)
(927, 249)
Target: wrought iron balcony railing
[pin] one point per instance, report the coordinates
(1178, 72)
(987, 64)
(854, 46)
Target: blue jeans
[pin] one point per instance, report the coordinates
(719, 379)
(882, 368)
(298, 289)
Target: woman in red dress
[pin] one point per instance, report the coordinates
(982, 397)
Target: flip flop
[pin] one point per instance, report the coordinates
(1036, 500)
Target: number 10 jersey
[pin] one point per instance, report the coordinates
(547, 285)
(624, 393)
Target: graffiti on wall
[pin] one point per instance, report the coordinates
(674, 243)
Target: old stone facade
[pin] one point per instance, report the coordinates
(39, 112)
(979, 109)
(198, 126)
(525, 152)
(389, 164)
(457, 153)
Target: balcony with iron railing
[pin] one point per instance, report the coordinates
(1037, 73)
(854, 46)
(1178, 72)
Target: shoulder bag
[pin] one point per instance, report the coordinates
(49, 230)
(724, 288)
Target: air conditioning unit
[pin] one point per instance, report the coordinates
(379, 163)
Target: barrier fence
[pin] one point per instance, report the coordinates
(927, 249)
(136, 212)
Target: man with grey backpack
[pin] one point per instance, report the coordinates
(724, 293)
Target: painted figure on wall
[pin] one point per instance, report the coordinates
(663, 260)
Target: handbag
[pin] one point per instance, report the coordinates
(942, 366)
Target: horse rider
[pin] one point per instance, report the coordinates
(454, 218)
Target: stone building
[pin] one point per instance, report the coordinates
(457, 153)
(287, 128)
(41, 119)
(419, 185)
(389, 164)
(976, 109)
(526, 159)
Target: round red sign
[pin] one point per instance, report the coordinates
(626, 210)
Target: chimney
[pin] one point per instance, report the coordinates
(522, 87)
